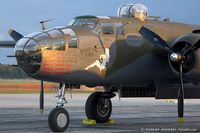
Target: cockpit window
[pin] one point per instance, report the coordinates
(71, 22)
(58, 42)
(91, 24)
(119, 28)
(51, 40)
(71, 38)
(42, 38)
(33, 34)
(55, 34)
(107, 28)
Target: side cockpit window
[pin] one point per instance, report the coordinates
(73, 42)
(107, 28)
(51, 40)
(71, 38)
(119, 28)
(58, 42)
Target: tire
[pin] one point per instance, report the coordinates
(53, 120)
(98, 108)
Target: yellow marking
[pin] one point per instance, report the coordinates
(89, 122)
(93, 122)
(180, 120)
(10, 31)
(170, 101)
(41, 111)
(110, 121)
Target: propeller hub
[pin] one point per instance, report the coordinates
(176, 57)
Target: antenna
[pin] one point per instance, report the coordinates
(43, 23)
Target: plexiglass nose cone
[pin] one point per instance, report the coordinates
(27, 52)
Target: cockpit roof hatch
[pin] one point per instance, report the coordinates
(138, 11)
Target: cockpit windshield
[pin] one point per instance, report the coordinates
(91, 24)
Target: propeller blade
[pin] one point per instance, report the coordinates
(15, 35)
(41, 97)
(154, 38)
(180, 95)
(192, 48)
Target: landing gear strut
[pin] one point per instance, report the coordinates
(98, 106)
(59, 118)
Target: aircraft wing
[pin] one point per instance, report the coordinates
(7, 44)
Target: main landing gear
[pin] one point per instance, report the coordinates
(98, 106)
(59, 118)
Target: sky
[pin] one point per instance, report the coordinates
(24, 15)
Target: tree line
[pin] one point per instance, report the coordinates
(11, 72)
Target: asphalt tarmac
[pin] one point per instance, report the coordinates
(19, 113)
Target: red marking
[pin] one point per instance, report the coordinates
(60, 69)
(60, 65)
(62, 72)
(48, 69)
(54, 61)
(56, 69)
(51, 67)
(57, 65)
(47, 72)
(56, 72)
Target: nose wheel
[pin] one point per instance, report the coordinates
(98, 108)
(58, 119)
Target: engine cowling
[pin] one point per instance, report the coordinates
(191, 64)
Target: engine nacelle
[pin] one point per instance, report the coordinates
(191, 65)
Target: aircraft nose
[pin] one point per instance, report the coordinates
(28, 54)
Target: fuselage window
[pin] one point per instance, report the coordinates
(43, 40)
(119, 28)
(71, 38)
(57, 41)
(59, 44)
(73, 42)
(107, 28)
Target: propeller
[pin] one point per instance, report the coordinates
(14, 34)
(178, 57)
(41, 97)
(154, 38)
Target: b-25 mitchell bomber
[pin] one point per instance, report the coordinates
(134, 54)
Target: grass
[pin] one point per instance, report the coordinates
(31, 86)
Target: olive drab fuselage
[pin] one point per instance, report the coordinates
(105, 51)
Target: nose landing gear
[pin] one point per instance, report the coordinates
(59, 118)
